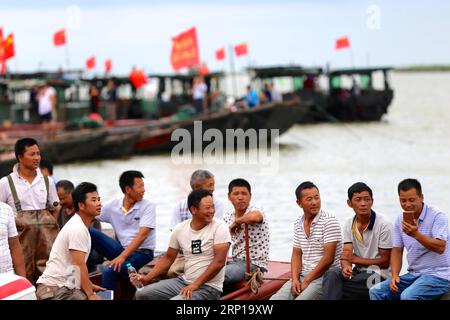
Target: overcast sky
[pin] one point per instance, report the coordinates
(139, 32)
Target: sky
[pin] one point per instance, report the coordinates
(138, 33)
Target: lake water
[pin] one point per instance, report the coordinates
(411, 141)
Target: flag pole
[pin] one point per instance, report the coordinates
(351, 58)
(67, 54)
(232, 70)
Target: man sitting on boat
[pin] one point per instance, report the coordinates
(251, 99)
(66, 274)
(200, 179)
(423, 230)
(253, 245)
(204, 242)
(367, 245)
(317, 247)
(133, 219)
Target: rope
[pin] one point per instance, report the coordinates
(256, 279)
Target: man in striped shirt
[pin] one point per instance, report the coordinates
(425, 238)
(317, 247)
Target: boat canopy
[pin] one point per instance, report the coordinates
(284, 71)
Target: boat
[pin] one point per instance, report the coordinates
(360, 98)
(355, 94)
(277, 275)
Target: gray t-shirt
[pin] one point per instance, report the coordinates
(378, 235)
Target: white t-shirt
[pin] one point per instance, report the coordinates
(198, 249)
(32, 196)
(59, 270)
(45, 101)
(199, 90)
(7, 230)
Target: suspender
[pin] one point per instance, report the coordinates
(16, 198)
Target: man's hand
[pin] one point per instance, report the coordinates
(347, 272)
(393, 284)
(410, 229)
(296, 287)
(97, 288)
(188, 290)
(116, 264)
(94, 297)
(235, 229)
(348, 255)
(137, 277)
(305, 284)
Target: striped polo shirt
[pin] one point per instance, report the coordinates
(434, 224)
(325, 228)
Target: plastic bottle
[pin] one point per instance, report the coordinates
(131, 270)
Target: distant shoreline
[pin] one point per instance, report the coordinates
(423, 68)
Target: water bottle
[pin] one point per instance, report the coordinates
(131, 270)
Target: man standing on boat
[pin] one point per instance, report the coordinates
(47, 110)
(204, 242)
(133, 219)
(317, 247)
(367, 245)
(200, 179)
(258, 242)
(33, 198)
(199, 91)
(66, 275)
(423, 230)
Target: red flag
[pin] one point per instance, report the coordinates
(138, 78)
(2, 54)
(185, 53)
(59, 38)
(90, 63)
(203, 69)
(108, 65)
(342, 43)
(8, 47)
(220, 54)
(241, 49)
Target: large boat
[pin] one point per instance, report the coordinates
(356, 94)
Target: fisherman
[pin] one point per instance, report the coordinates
(66, 275)
(47, 110)
(423, 230)
(317, 247)
(367, 245)
(133, 219)
(200, 179)
(258, 243)
(34, 200)
(199, 90)
(204, 242)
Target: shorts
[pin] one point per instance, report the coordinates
(45, 117)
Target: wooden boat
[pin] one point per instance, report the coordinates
(362, 101)
(276, 276)
(119, 142)
(351, 94)
(68, 146)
